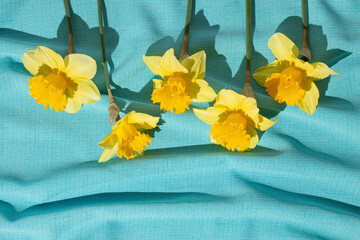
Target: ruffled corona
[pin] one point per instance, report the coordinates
(287, 86)
(49, 90)
(231, 133)
(289, 79)
(172, 95)
(61, 84)
(130, 140)
(127, 138)
(182, 82)
(233, 120)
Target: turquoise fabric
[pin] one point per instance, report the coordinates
(301, 182)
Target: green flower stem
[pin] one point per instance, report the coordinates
(247, 90)
(305, 49)
(113, 109)
(184, 53)
(103, 44)
(304, 7)
(70, 49)
(248, 40)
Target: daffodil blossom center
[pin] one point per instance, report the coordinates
(291, 76)
(173, 94)
(177, 84)
(50, 89)
(231, 133)
(56, 81)
(125, 131)
(130, 140)
(236, 120)
(287, 86)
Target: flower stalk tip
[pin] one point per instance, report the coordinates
(113, 110)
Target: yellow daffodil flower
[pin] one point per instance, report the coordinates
(61, 84)
(289, 79)
(182, 84)
(233, 119)
(127, 138)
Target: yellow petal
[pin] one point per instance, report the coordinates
(142, 120)
(170, 64)
(265, 123)
(30, 62)
(72, 106)
(196, 64)
(80, 66)
(157, 83)
(211, 115)
(299, 63)
(109, 141)
(50, 58)
(254, 138)
(310, 101)
(249, 106)
(229, 99)
(262, 73)
(108, 153)
(153, 64)
(200, 91)
(321, 71)
(213, 140)
(118, 122)
(86, 91)
(282, 47)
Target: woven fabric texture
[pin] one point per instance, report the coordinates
(302, 181)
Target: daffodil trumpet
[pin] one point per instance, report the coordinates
(61, 84)
(70, 49)
(181, 83)
(291, 80)
(113, 109)
(233, 119)
(128, 137)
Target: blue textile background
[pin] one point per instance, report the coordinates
(301, 182)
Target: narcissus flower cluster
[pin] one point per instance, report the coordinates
(61, 84)
(65, 84)
(289, 79)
